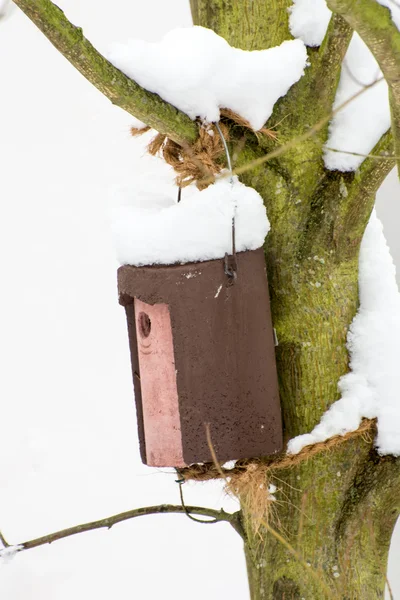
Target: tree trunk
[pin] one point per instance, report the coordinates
(336, 511)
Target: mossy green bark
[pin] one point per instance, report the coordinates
(246, 24)
(338, 512)
(121, 90)
(338, 509)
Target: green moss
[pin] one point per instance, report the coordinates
(121, 90)
(345, 557)
(248, 24)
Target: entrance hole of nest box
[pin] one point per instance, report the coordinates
(144, 324)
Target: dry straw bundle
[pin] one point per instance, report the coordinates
(250, 479)
(200, 162)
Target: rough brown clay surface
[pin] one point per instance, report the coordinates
(224, 355)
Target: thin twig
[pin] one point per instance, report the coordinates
(323, 76)
(304, 136)
(4, 541)
(354, 78)
(298, 139)
(389, 588)
(212, 451)
(372, 172)
(376, 156)
(374, 24)
(236, 518)
(108, 522)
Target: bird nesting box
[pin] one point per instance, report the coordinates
(202, 351)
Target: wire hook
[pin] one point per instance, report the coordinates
(210, 522)
(230, 263)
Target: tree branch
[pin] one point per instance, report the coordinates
(297, 140)
(356, 194)
(373, 22)
(117, 87)
(329, 62)
(4, 541)
(311, 98)
(374, 170)
(218, 516)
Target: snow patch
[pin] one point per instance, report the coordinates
(7, 554)
(6, 8)
(229, 465)
(272, 489)
(137, 124)
(358, 126)
(151, 227)
(309, 20)
(372, 387)
(197, 71)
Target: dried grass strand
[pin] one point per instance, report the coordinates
(208, 471)
(229, 114)
(198, 163)
(203, 160)
(135, 131)
(249, 480)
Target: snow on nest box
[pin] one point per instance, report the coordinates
(201, 340)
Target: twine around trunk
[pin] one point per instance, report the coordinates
(249, 480)
(203, 160)
(208, 471)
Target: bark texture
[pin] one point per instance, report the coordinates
(116, 86)
(336, 511)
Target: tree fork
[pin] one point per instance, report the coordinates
(313, 275)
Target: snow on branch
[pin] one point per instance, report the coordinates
(310, 132)
(117, 87)
(309, 20)
(374, 23)
(359, 127)
(6, 8)
(199, 72)
(371, 388)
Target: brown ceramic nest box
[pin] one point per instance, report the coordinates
(202, 351)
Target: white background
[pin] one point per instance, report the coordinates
(69, 450)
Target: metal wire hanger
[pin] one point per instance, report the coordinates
(230, 261)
